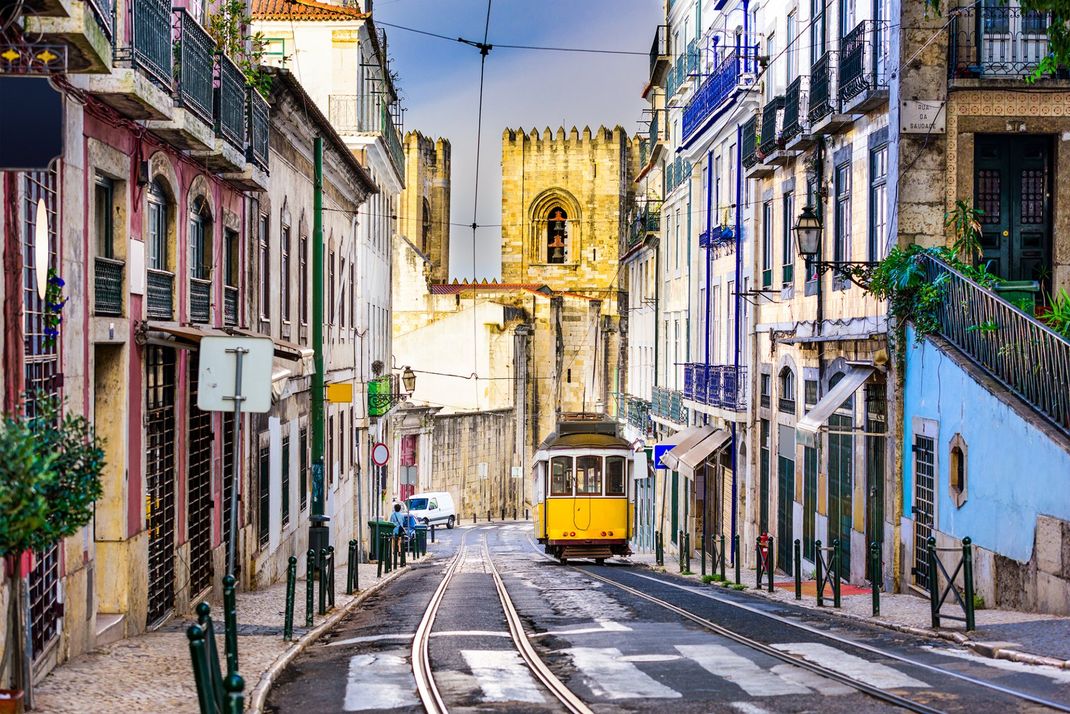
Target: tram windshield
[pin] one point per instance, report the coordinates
(589, 476)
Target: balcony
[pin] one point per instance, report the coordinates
(771, 143)
(713, 385)
(863, 76)
(393, 142)
(996, 42)
(140, 84)
(255, 128)
(677, 173)
(824, 110)
(228, 111)
(230, 305)
(659, 55)
(343, 110)
(200, 300)
(734, 72)
(191, 125)
(796, 131)
(108, 287)
(639, 414)
(85, 27)
(750, 153)
(646, 222)
(160, 297)
(668, 405)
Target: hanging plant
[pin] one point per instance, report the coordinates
(54, 303)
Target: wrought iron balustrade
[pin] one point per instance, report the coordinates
(1019, 351)
(795, 109)
(150, 48)
(772, 115)
(735, 71)
(716, 385)
(160, 296)
(668, 404)
(103, 12)
(997, 41)
(257, 130)
(230, 305)
(655, 134)
(107, 286)
(748, 149)
(200, 300)
(645, 221)
(824, 100)
(393, 141)
(659, 49)
(689, 380)
(195, 67)
(343, 110)
(230, 97)
(863, 59)
(639, 413)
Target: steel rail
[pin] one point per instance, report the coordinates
(566, 696)
(421, 641)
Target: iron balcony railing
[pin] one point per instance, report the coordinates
(257, 129)
(161, 294)
(676, 173)
(344, 112)
(668, 404)
(795, 109)
(646, 221)
(733, 72)
(195, 67)
(639, 413)
(772, 116)
(150, 49)
(108, 286)
(200, 300)
(864, 59)
(659, 51)
(230, 305)
(393, 141)
(1019, 351)
(656, 133)
(672, 82)
(996, 41)
(716, 385)
(824, 99)
(691, 61)
(748, 149)
(103, 11)
(230, 98)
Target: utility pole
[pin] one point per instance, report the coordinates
(318, 535)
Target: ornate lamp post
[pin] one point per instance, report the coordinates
(808, 242)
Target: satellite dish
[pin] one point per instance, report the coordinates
(40, 247)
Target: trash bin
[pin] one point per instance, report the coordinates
(1021, 293)
(376, 531)
(421, 539)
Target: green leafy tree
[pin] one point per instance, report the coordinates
(228, 27)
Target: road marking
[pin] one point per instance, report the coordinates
(470, 633)
(651, 658)
(740, 671)
(858, 669)
(805, 678)
(603, 626)
(748, 708)
(610, 676)
(369, 638)
(1058, 676)
(379, 681)
(502, 676)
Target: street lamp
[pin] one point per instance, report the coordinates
(408, 379)
(808, 233)
(808, 243)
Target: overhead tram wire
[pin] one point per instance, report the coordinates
(536, 48)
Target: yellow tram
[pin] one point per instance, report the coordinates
(582, 478)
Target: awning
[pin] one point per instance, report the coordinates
(283, 349)
(691, 436)
(806, 428)
(178, 336)
(701, 451)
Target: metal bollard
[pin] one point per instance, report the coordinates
(473, 518)
(503, 514)
(687, 552)
(404, 543)
(488, 515)
(702, 554)
(215, 678)
(330, 577)
(770, 563)
(736, 556)
(310, 585)
(432, 532)
(875, 575)
(230, 623)
(526, 515)
(761, 562)
(351, 568)
(235, 699)
(291, 593)
(967, 580)
(680, 549)
(819, 573)
(323, 581)
(721, 556)
(798, 569)
(202, 674)
(934, 585)
(514, 514)
(657, 548)
(836, 573)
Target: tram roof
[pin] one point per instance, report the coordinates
(584, 440)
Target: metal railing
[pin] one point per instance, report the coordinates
(344, 112)
(656, 133)
(676, 173)
(659, 48)
(1019, 351)
(257, 129)
(230, 97)
(668, 404)
(795, 109)
(103, 11)
(200, 300)
(863, 59)
(733, 72)
(716, 385)
(646, 221)
(639, 413)
(108, 286)
(824, 99)
(748, 149)
(393, 141)
(151, 40)
(194, 67)
(161, 294)
(996, 41)
(772, 116)
(230, 305)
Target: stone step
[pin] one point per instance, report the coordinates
(110, 628)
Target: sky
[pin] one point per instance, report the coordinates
(439, 84)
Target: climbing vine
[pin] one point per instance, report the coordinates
(227, 26)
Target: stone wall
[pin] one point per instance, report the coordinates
(424, 208)
(460, 444)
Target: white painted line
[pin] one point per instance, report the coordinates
(610, 676)
(720, 661)
(748, 708)
(369, 638)
(858, 669)
(604, 626)
(805, 678)
(651, 658)
(379, 681)
(502, 676)
(470, 633)
(1059, 676)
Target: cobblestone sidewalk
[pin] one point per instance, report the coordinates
(151, 673)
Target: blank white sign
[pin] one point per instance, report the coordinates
(217, 374)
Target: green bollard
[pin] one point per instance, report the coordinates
(680, 549)
(769, 564)
(310, 585)
(202, 674)
(836, 573)
(204, 620)
(230, 623)
(798, 569)
(291, 592)
(736, 556)
(235, 699)
(323, 581)
(657, 548)
(819, 573)
(351, 567)
(687, 552)
(722, 558)
(875, 575)
(761, 562)
(404, 547)
(432, 535)
(702, 554)
(934, 585)
(967, 581)
(330, 577)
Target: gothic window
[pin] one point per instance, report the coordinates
(556, 235)
(425, 233)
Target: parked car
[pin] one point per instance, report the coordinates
(433, 507)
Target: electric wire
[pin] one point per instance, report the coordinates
(536, 48)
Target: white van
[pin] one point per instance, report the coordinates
(433, 507)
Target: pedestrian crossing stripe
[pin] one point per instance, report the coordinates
(856, 668)
(741, 671)
(382, 680)
(610, 676)
(502, 676)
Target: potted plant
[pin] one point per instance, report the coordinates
(50, 466)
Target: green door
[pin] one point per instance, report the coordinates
(763, 480)
(675, 505)
(1012, 188)
(841, 453)
(784, 524)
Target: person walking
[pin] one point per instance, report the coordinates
(400, 521)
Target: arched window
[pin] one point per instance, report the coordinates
(158, 220)
(787, 391)
(200, 240)
(556, 235)
(425, 228)
(957, 469)
(849, 403)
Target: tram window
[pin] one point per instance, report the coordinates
(561, 476)
(614, 475)
(589, 475)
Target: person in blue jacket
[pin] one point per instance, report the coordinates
(404, 526)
